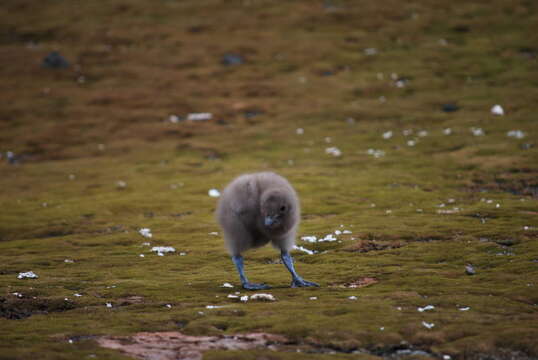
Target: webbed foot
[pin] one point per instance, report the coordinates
(302, 283)
(253, 286)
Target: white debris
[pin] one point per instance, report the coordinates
(447, 131)
(120, 184)
(428, 325)
(300, 248)
(232, 296)
(161, 250)
(426, 308)
(334, 151)
(174, 119)
(227, 285)
(168, 306)
(70, 341)
(142, 255)
(260, 296)
(347, 232)
(328, 237)
(422, 133)
(199, 116)
(454, 210)
(17, 294)
(213, 306)
(182, 253)
(477, 131)
(27, 275)
(145, 232)
(299, 131)
(244, 298)
(108, 305)
(382, 328)
(447, 357)
(337, 232)
(353, 297)
(497, 110)
(388, 211)
(411, 142)
(375, 153)
(69, 261)
(146, 244)
(387, 135)
(497, 205)
(313, 298)
(310, 239)
(77, 295)
(518, 134)
(370, 51)
(213, 193)
(466, 308)
(400, 83)
(214, 233)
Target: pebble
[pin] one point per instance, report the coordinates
(469, 269)
(497, 110)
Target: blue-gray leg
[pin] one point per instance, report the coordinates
(296, 281)
(238, 261)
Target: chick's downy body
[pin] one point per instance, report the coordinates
(256, 209)
(243, 219)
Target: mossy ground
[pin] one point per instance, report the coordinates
(134, 63)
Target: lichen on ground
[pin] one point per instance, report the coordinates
(426, 178)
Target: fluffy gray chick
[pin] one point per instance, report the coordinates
(256, 209)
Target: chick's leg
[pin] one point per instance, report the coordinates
(238, 261)
(296, 281)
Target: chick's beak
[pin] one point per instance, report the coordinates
(269, 220)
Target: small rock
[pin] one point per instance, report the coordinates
(450, 107)
(199, 116)
(425, 308)
(497, 110)
(213, 193)
(352, 297)
(145, 232)
(387, 135)
(161, 250)
(266, 297)
(469, 269)
(227, 285)
(334, 151)
(55, 61)
(27, 275)
(232, 60)
(428, 325)
(518, 134)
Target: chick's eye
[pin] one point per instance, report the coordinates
(282, 208)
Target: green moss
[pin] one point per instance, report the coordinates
(152, 61)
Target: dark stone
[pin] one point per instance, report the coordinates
(461, 28)
(450, 107)
(232, 60)
(55, 61)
